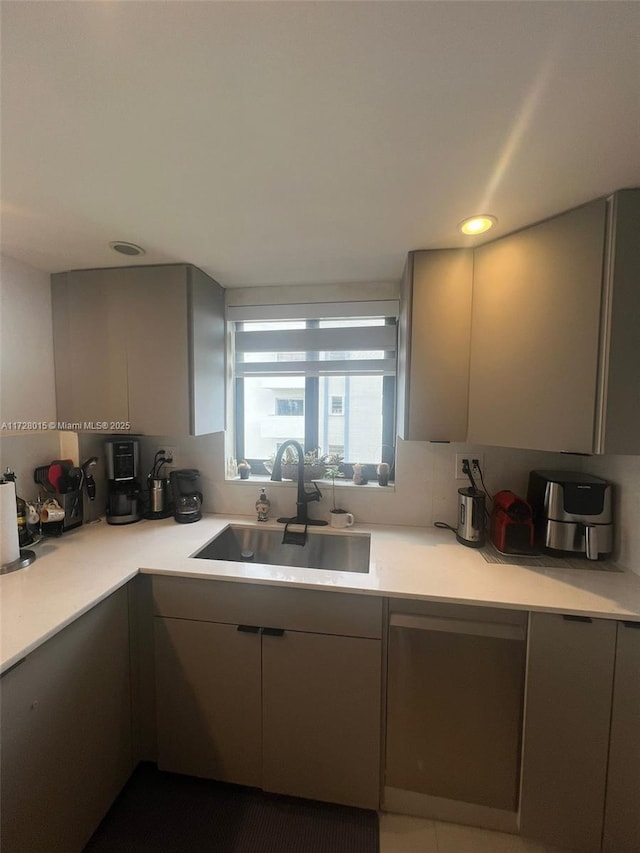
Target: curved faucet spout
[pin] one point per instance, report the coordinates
(304, 497)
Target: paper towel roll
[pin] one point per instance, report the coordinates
(9, 547)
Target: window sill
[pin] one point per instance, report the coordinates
(264, 479)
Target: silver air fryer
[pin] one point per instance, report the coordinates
(571, 513)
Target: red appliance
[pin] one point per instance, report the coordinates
(511, 524)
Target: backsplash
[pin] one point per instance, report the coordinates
(24, 453)
(624, 472)
(425, 491)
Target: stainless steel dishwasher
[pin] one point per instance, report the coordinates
(455, 691)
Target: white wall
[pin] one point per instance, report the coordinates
(27, 387)
(624, 472)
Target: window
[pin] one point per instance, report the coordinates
(290, 407)
(326, 379)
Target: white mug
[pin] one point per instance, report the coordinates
(51, 511)
(340, 519)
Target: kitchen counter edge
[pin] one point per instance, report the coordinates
(76, 572)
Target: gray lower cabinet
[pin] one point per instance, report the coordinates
(208, 700)
(455, 691)
(622, 812)
(321, 717)
(270, 687)
(566, 734)
(66, 733)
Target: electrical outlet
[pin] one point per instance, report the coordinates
(474, 459)
(169, 453)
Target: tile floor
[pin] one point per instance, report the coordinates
(401, 834)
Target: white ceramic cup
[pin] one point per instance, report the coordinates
(51, 511)
(340, 519)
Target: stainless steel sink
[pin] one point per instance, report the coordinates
(348, 552)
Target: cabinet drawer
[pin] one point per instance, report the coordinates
(502, 619)
(315, 611)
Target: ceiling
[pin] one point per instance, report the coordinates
(305, 142)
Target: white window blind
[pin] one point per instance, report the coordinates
(320, 339)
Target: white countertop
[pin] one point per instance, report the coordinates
(76, 571)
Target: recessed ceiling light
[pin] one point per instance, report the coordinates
(477, 224)
(126, 248)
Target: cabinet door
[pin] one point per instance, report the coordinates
(620, 426)
(207, 353)
(157, 349)
(89, 337)
(66, 733)
(566, 731)
(622, 815)
(208, 700)
(321, 717)
(535, 334)
(434, 333)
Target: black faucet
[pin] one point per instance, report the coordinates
(304, 497)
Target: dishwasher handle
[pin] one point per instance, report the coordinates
(472, 627)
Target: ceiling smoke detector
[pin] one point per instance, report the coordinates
(126, 248)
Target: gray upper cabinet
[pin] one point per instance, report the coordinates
(434, 334)
(554, 363)
(143, 345)
(90, 349)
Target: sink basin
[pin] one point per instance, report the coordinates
(348, 552)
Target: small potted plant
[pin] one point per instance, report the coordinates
(244, 469)
(383, 474)
(359, 477)
(339, 517)
(315, 465)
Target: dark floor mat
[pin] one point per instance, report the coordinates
(167, 813)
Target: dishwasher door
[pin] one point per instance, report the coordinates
(454, 709)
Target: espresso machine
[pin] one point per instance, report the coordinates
(572, 513)
(122, 456)
(187, 498)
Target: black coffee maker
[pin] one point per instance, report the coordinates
(123, 495)
(187, 498)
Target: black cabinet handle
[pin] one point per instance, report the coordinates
(577, 618)
(248, 629)
(273, 632)
(630, 624)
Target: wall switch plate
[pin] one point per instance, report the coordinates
(474, 460)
